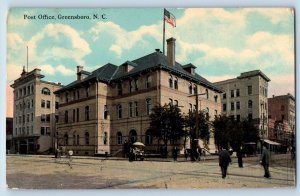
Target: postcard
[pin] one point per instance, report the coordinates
(150, 98)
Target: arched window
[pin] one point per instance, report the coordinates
(171, 82)
(132, 136)
(176, 83)
(87, 138)
(66, 139)
(148, 106)
(105, 138)
(119, 111)
(77, 139)
(45, 91)
(190, 89)
(119, 138)
(74, 139)
(195, 90)
(250, 104)
(87, 113)
(149, 137)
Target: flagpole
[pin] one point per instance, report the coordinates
(164, 31)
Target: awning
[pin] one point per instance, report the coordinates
(272, 143)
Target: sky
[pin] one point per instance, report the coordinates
(222, 43)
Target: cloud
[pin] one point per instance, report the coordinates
(77, 50)
(64, 71)
(122, 39)
(14, 40)
(13, 72)
(282, 84)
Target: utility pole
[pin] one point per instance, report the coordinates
(195, 132)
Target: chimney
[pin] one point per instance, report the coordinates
(79, 69)
(171, 51)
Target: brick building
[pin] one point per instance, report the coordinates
(109, 106)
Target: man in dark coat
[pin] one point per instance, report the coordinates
(265, 160)
(239, 155)
(224, 160)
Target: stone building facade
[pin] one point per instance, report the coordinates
(246, 97)
(110, 106)
(34, 118)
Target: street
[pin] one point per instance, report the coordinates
(46, 172)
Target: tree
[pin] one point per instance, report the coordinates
(234, 133)
(166, 123)
(199, 131)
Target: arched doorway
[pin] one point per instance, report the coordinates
(132, 136)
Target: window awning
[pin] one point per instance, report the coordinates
(272, 143)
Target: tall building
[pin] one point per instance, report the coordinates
(246, 97)
(34, 113)
(103, 109)
(282, 110)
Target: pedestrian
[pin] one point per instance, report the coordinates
(265, 160)
(224, 160)
(198, 153)
(239, 155)
(175, 153)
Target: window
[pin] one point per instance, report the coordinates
(87, 91)
(232, 93)
(250, 116)
(28, 104)
(32, 89)
(78, 94)
(190, 89)
(87, 138)
(31, 117)
(190, 107)
(56, 105)
(238, 118)
(176, 83)
(23, 118)
(87, 113)
(66, 117)
(266, 92)
(282, 117)
(48, 104)
(77, 114)
(148, 138)
(56, 118)
(132, 136)
(105, 112)
(237, 92)
(224, 107)
(119, 88)
(105, 138)
(249, 90)
(77, 139)
(207, 95)
(28, 89)
(45, 91)
(43, 118)
(282, 108)
(130, 109)
(148, 81)
(74, 95)
(27, 118)
(66, 139)
(32, 103)
(74, 115)
(171, 82)
(119, 138)
(207, 113)
(195, 90)
(133, 85)
(250, 104)
(43, 103)
(238, 106)
(47, 117)
(136, 108)
(148, 106)
(119, 111)
(67, 97)
(216, 98)
(216, 112)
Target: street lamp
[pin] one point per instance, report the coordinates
(194, 134)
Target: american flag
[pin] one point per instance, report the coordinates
(170, 18)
